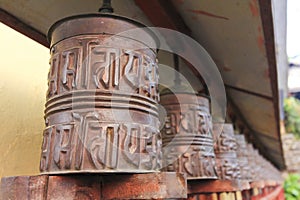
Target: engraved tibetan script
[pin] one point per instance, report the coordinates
(62, 150)
(53, 76)
(69, 75)
(106, 66)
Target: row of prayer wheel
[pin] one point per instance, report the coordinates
(102, 110)
(250, 175)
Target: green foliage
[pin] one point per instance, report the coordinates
(292, 116)
(292, 187)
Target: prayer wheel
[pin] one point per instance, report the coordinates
(225, 149)
(254, 166)
(187, 135)
(101, 112)
(242, 154)
(258, 170)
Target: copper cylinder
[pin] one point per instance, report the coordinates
(242, 154)
(101, 111)
(187, 136)
(225, 149)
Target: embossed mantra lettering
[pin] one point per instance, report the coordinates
(102, 142)
(104, 65)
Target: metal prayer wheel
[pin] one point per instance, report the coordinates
(101, 111)
(242, 154)
(225, 149)
(254, 166)
(259, 166)
(187, 136)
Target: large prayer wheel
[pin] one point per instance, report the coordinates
(187, 136)
(101, 111)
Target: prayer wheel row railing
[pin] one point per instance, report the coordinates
(102, 121)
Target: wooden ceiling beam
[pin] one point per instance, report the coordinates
(18, 25)
(162, 13)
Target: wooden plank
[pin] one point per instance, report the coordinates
(163, 185)
(74, 187)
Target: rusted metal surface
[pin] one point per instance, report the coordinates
(225, 149)
(95, 187)
(187, 136)
(101, 112)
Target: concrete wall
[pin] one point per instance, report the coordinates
(23, 72)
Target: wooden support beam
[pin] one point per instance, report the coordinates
(162, 185)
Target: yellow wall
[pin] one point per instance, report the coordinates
(23, 74)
